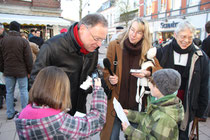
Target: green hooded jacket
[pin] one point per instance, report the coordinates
(160, 122)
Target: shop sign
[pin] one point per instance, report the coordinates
(169, 25)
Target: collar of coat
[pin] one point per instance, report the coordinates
(76, 35)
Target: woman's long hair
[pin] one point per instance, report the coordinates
(147, 40)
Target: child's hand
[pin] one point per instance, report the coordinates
(97, 82)
(125, 111)
(124, 125)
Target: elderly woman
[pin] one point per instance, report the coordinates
(182, 55)
(130, 49)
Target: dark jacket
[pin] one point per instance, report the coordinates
(64, 52)
(206, 46)
(38, 40)
(3, 35)
(15, 55)
(196, 91)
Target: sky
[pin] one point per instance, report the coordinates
(71, 8)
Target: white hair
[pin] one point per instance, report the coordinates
(183, 26)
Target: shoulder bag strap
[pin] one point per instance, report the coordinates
(115, 61)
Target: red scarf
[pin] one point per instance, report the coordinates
(82, 50)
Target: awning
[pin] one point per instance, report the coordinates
(34, 20)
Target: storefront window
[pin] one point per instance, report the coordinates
(198, 33)
(193, 2)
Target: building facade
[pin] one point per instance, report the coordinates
(43, 15)
(118, 13)
(164, 15)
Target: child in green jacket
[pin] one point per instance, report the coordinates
(163, 115)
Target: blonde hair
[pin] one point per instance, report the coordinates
(51, 88)
(147, 40)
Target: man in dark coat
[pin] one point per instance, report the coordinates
(206, 42)
(2, 86)
(189, 60)
(16, 64)
(37, 39)
(206, 48)
(76, 53)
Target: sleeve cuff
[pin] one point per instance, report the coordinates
(129, 130)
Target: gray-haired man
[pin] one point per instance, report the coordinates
(76, 53)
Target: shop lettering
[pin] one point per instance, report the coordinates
(169, 25)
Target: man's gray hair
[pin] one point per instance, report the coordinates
(1, 26)
(183, 26)
(93, 19)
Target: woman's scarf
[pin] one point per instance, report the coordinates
(130, 60)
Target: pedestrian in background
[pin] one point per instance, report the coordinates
(189, 60)
(2, 83)
(64, 30)
(45, 116)
(119, 30)
(206, 41)
(2, 31)
(34, 47)
(31, 34)
(76, 52)
(37, 38)
(15, 63)
(130, 49)
(206, 48)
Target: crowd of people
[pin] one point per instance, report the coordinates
(51, 76)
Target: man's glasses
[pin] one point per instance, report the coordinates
(96, 39)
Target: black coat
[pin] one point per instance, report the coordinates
(206, 46)
(197, 91)
(64, 52)
(15, 55)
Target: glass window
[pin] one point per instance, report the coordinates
(176, 4)
(193, 2)
(149, 7)
(163, 6)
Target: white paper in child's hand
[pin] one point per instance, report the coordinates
(120, 113)
(86, 84)
(79, 114)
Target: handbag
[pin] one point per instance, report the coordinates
(194, 135)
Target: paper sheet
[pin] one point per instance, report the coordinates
(79, 114)
(119, 110)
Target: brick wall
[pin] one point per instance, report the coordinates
(16, 2)
(183, 5)
(155, 9)
(206, 6)
(141, 8)
(46, 3)
(35, 3)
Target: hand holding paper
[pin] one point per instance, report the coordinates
(119, 110)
